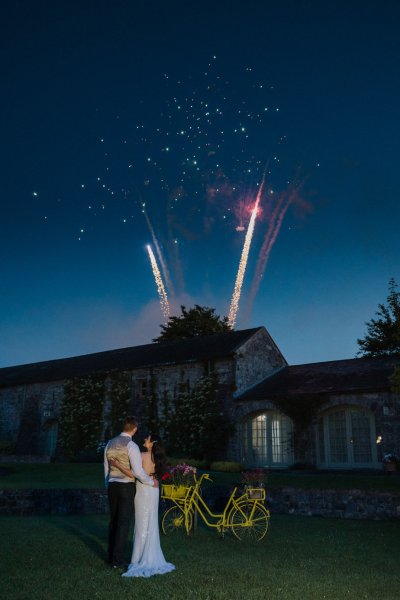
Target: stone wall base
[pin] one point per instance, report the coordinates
(25, 458)
(342, 504)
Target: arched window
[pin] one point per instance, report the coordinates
(346, 439)
(267, 440)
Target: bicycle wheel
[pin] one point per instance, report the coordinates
(247, 524)
(173, 521)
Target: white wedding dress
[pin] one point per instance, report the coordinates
(147, 556)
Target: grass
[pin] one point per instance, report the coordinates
(90, 475)
(59, 558)
(51, 475)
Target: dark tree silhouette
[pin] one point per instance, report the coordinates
(194, 322)
(383, 337)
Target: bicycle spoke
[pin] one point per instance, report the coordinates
(250, 524)
(173, 521)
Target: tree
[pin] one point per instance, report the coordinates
(194, 322)
(383, 337)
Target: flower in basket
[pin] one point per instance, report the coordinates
(182, 474)
(390, 458)
(255, 477)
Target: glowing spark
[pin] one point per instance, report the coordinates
(162, 294)
(160, 255)
(233, 310)
(243, 262)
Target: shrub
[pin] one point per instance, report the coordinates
(193, 462)
(7, 447)
(226, 466)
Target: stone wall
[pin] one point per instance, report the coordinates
(256, 359)
(26, 411)
(386, 408)
(342, 504)
(29, 413)
(53, 502)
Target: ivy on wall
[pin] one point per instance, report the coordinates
(192, 423)
(152, 401)
(81, 418)
(120, 392)
(195, 424)
(303, 411)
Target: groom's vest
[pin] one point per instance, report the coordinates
(118, 448)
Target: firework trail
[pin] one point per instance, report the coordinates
(174, 254)
(160, 286)
(233, 310)
(160, 255)
(285, 200)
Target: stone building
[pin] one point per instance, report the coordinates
(338, 414)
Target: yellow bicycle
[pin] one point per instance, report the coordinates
(245, 515)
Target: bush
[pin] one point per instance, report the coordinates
(193, 462)
(226, 467)
(302, 466)
(89, 455)
(7, 447)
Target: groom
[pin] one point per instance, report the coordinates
(121, 489)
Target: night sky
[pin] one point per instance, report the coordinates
(127, 123)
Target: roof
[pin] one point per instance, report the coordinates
(196, 349)
(337, 376)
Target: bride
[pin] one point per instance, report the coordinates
(147, 556)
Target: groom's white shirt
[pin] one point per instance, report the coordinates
(135, 460)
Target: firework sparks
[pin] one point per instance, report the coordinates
(160, 255)
(160, 286)
(233, 310)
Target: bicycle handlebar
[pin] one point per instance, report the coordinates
(206, 476)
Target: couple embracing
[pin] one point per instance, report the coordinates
(132, 484)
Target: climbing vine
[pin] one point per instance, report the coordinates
(152, 401)
(81, 418)
(120, 393)
(196, 423)
(303, 411)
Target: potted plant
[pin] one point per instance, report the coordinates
(390, 462)
(177, 480)
(254, 481)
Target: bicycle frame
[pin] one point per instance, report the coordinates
(194, 501)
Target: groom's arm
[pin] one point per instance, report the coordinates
(135, 459)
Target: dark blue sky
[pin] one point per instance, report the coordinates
(180, 105)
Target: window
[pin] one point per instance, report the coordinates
(268, 440)
(346, 438)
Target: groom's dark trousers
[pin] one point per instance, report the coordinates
(121, 498)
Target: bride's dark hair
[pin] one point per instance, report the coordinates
(158, 456)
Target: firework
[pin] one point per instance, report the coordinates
(162, 294)
(233, 310)
(160, 255)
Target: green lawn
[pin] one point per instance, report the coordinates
(59, 558)
(90, 475)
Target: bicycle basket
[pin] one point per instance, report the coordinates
(256, 493)
(174, 491)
